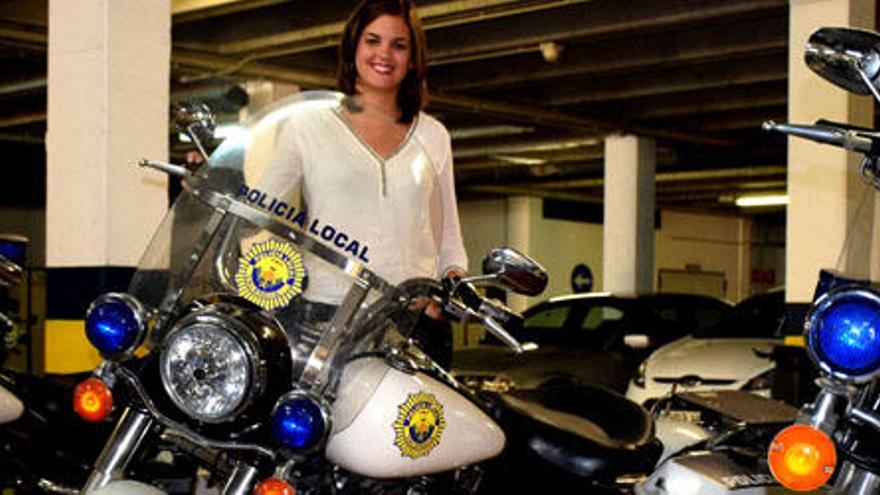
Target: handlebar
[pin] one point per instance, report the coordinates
(462, 301)
(842, 135)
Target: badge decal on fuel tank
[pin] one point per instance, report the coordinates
(419, 425)
(271, 274)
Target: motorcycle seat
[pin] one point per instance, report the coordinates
(586, 430)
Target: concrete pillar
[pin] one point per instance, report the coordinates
(523, 215)
(823, 183)
(628, 246)
(108, 74)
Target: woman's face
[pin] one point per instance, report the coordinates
(383, 54)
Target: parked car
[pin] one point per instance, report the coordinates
(734, 355)
(587, 338)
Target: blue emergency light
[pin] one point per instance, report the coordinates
(114, 323)
(843, 333)
(298, 422)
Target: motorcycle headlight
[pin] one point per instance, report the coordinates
(843, 333)
(209, 367)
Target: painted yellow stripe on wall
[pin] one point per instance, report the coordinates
(66, 348)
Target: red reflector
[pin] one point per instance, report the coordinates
(274, 486)
(802, 458)
(92, 400)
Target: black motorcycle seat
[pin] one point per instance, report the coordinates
(586, 430)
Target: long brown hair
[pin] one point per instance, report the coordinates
(412, 95)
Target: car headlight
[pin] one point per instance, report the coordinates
(209, 366)
(843, 333)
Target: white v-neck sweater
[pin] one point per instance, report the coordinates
(400, 212)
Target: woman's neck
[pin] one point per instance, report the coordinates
(382, 101)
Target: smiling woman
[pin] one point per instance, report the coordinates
(374, 170)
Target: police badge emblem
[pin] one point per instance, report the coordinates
(271, 274)
(419, 425)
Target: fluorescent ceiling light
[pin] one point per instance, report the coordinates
(762, 200)
(519, 160)
(489, 131)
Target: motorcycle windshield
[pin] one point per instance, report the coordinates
(859, 259)
(239, 230)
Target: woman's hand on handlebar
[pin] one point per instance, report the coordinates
(430, 306)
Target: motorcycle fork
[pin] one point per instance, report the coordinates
(119, 449)
(855, 481)
(241, 481)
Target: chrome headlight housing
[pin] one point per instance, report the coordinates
(210, 366)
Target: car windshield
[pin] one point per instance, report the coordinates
(759, 316)
(573, 324)
(594, 322)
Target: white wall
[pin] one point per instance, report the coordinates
(713, 243)
(557, 244)
(483, 227)
(560, 245)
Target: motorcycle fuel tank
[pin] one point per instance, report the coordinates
(394, 424)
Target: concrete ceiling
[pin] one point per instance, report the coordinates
(699, 76)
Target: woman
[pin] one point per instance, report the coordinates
(377, 167)
(383, 66)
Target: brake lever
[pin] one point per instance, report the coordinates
(502, 334)
(474, 306)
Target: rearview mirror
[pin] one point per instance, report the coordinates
(847, 57)
(515, 271)
(196, 121)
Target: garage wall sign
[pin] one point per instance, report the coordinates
(581, 279)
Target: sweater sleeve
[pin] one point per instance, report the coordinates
(451, 254)
(282, 178)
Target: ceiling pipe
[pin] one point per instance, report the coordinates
(567, 143)
(668, 177)
(37, 85)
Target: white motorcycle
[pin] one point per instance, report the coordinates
(250, 372)
(224, 352)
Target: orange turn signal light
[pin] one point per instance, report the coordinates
(92, 400)
(274, 486)
(802, 457)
